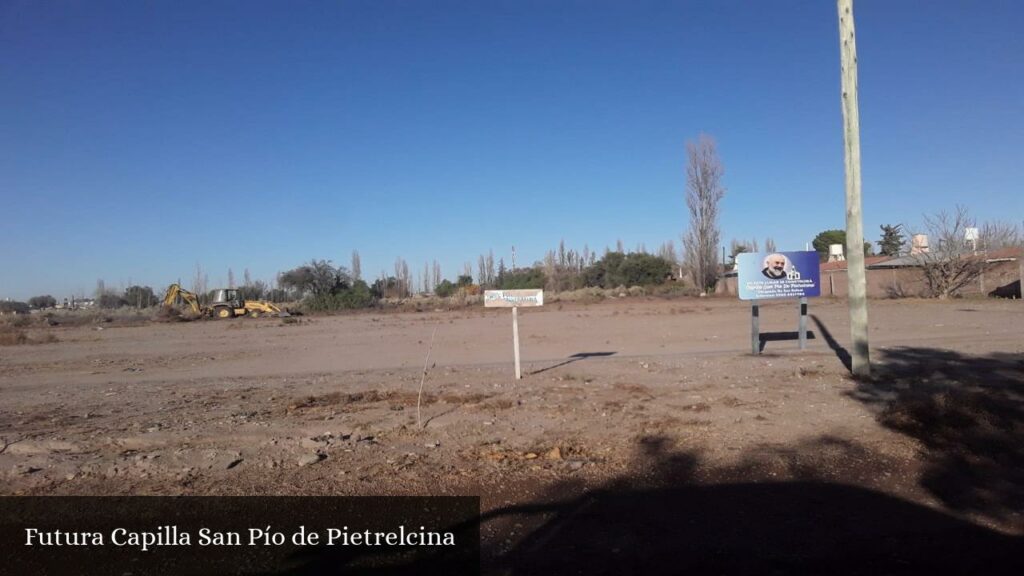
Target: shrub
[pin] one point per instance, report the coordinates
(356, 296)
(14, 307)
(15, 337)
(110, 300)
(41, 302)
(140, 296)
(634, 269)
(445, 289)
(523, 278)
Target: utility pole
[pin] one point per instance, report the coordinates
(860, 360)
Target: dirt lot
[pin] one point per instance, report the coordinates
(641, 427)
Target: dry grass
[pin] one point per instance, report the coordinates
(166, 314)
(18, 321)
(108, 318)
(11, 336)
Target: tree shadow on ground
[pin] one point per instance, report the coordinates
(793, 509)
(968, 414)
(776, 512)
(780, 509)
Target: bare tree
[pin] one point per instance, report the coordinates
(737, 247)
(403, 277)
(953, 260)
(769, 245)
(996, 235)
(550, 270)
(489, 267)
(667, 250)
(231, 278)
(437, 276)
(199, 282)
(246, 278)
(704, 190)
(357, 268)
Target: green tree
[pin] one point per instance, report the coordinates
(253, 290)
(110, 300)
(326, 287)
(824, 239)
(522, 278)
(358, 295)
(604, 272)
(892, 241)
(140, 296)
(319, 278)
(46, 301)
(388, 287)
(641, 269)
(633, 269)
(445, 288)
(12, 307)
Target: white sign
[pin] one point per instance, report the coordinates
(513, 298)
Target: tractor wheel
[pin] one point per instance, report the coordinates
(223, 312)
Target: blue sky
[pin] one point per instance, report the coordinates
(139, 139)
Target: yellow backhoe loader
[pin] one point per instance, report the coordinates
(227, 303)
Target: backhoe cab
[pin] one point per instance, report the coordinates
(227, 303)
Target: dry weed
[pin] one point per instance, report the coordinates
(15, 337)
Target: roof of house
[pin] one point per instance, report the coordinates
(910, 260)
(837, 265)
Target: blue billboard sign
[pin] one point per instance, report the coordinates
(778, 275)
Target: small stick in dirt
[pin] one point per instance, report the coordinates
(426, 362)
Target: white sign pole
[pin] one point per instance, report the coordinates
(515, 339)
(514, 299)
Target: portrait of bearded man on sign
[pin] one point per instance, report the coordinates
(775, 266)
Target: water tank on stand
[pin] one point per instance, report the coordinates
(835, 253)
(919, 244)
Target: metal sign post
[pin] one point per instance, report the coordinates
(803, 323)
(515, 339)
(514, 299)
(755, 329)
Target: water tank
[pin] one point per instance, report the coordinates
(919, 244)
(835, 252)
